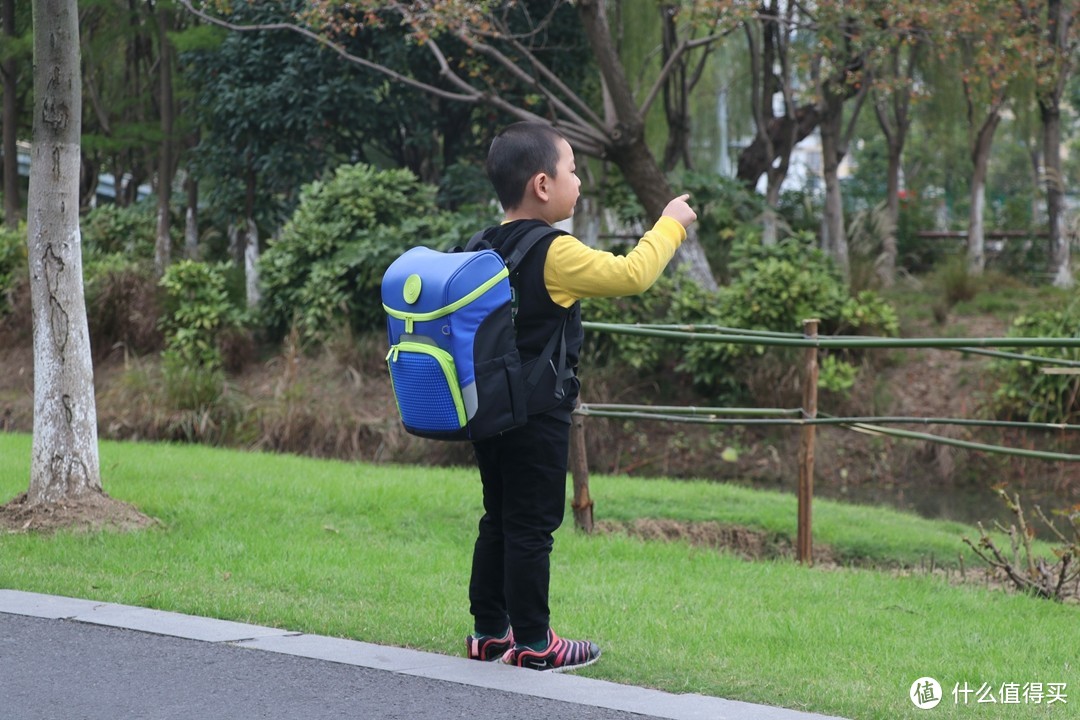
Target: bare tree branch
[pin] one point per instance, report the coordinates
(474, 96)
(577, 130)
(669, 66)
(532, 82)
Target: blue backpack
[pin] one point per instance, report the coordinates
(453, 359)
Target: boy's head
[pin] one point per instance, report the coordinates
(532, 164)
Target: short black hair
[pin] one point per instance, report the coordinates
(517, 153)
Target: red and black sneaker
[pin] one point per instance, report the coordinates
(487, 647)
(559, 655)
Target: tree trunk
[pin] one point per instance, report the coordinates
(651, 188)
(65, 445)
(251, 264)
(1060, 260)
(191, 219)
(833, 234)
(163, 245)
(251, 243)
(770, 219)
(10, 121)
(676, 93)
(889, 250)
(980, 157)
(895, 130)
(626, 141)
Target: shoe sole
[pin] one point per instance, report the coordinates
(564, 668)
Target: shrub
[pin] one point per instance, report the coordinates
(111, 229)
(775, 289)
(867, 313)
(12, 262)
(1025, 392)
(328, 264)
(836, 375)
(657, 306)
(198, 311)
(122, 303)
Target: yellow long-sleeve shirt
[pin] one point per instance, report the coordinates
(573, 270)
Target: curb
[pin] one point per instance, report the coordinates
(492, 676)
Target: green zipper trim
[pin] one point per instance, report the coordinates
(446, 363)
(447, 309)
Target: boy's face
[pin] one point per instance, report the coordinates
(565, 187)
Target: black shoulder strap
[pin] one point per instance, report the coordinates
(519, 248)
(526, 243)
(477, 242)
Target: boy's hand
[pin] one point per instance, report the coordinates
(680, 211)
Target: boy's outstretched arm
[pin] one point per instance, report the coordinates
(574, 271)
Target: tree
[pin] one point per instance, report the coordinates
(838, 69)
(681, 80)
(166, 164)
(1053, 23)
(65, 445)
(615, 133)
(894, 70)
(991, 55)
(11, 59)
(274, 112)
(769, 36)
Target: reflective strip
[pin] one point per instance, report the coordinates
(410, 317)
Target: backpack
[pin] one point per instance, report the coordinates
(454, 363)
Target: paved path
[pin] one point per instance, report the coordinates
(70, 659)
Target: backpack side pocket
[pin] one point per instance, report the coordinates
(426, 387)
(500, 397)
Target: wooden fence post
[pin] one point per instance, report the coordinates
(579, 468)
(804, 544)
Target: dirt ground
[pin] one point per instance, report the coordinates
(88, 513)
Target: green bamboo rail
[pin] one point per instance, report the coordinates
(807, 415)
(844, 342)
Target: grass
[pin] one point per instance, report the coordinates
(381, 553)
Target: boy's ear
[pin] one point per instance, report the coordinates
(538, 185)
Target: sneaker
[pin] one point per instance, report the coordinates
(486, 647)
(559, 655)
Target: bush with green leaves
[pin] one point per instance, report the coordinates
(867, 313)
(775, 288)
(197, 311)
(1023, 391)
(12, 261)
(113, 230)
(634, 351)
(326, 268)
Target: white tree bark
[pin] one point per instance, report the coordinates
(251, 264)
(980, 157)
(65, 445)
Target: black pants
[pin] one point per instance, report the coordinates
(524, 477)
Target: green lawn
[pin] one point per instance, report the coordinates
(381, 553)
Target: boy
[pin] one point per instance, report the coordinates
(523, 471)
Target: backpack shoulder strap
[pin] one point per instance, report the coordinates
(477, 242)
(518, 249)
(526, 243)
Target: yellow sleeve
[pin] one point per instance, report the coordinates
(573, 270)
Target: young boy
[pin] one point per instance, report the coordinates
(523, 471)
